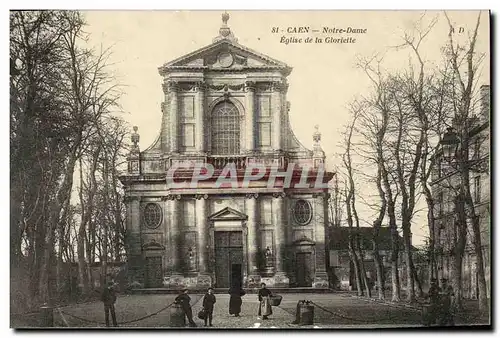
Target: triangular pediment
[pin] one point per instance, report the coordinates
(224, 54)
(228, 214)
(303, 241)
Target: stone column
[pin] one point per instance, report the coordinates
(252, 240)
(320, 219)
(175, 234)
(276, 97)
(250, 115)
(281, 280)
(134, 238)
(202, 229)
(200, 117)
(174, 117)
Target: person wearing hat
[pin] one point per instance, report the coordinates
(208, 305)
(108, 297)
(185, 300)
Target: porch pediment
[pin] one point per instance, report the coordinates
(303, 241)
(228, 214)
(152, 245)
(224, 54)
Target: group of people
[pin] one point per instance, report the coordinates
(235, 302)
(441, 303)
(108, 297)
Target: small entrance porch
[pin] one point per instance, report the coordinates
(228, 235)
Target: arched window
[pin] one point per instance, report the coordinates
(225, 129)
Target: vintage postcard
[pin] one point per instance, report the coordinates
(250, 169)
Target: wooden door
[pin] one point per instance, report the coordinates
(154, 275)
(222, 267)
(228, 258)
(304, 269)
(236, 261)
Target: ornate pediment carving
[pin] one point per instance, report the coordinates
(224, 55)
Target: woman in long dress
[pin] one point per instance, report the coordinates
(265, 306)
(235, 301)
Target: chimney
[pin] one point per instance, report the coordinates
(484, 91)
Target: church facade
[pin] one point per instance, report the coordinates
(225, 106)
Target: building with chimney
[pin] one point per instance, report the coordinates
(225, 112)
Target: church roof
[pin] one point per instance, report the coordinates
(208, 57)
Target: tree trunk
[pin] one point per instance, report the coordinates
(54, 218)
(481, 279)
(82, 266)
(380, 270)
(456, 278)
(417, 280)
(355, 263)
(46, 253)
(410, 285)
(396, 286)
(62, 244)
(362, 270)
(104, 262)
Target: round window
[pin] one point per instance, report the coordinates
(152, 215)
(302, 212)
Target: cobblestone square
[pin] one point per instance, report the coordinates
(330, 311)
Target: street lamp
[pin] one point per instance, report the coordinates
(449, 143)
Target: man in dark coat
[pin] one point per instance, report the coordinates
(208, 305)
(108, 297)
(264, 305)
(185, 300)
(235, 301)
(434, 308)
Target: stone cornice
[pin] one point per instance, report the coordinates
(127, 199)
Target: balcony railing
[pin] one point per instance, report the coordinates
(220, 161)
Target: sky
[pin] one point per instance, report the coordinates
(324, 78)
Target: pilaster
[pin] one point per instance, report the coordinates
(202, 229)
(200, 117)
(175, 235)
(250, 115)
(253, 278)
(321, 216)
(281, 279)
(277, 103)
(174, 116)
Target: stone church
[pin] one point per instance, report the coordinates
(225, 103)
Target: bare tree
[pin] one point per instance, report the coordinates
(464, 61)
(355, 240)
(59, 93)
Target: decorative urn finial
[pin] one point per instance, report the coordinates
(135, 139)
(224, 31)
(318, 153)
(225, 18)
(317, 134)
